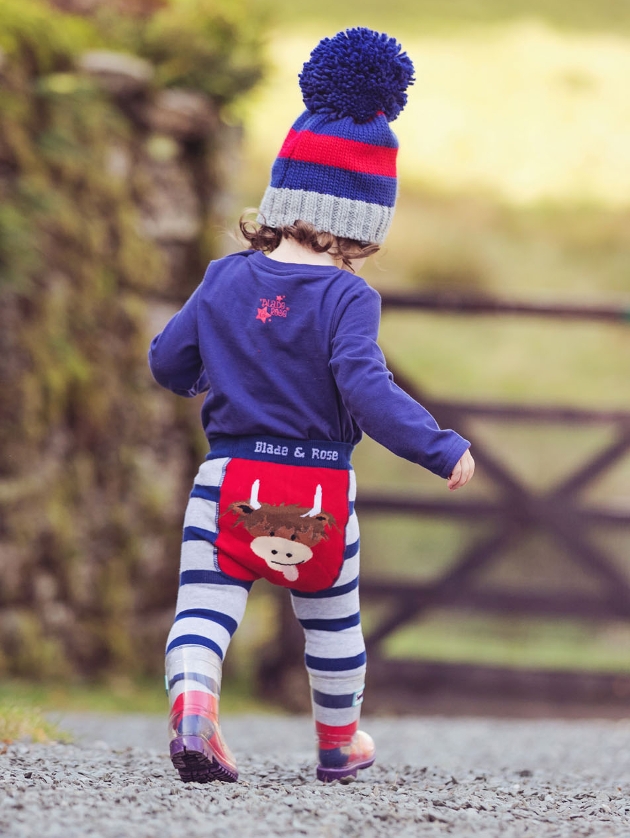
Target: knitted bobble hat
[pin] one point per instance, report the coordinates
(337, 167)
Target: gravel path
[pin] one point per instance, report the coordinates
(433, 777)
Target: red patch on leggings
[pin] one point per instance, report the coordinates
(283, 523)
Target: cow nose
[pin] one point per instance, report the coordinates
(289, 555)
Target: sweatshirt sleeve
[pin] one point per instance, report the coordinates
(379, 407)
(174, 357)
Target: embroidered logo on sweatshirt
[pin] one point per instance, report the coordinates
(272, 308)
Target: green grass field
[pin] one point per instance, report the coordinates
(418, 16)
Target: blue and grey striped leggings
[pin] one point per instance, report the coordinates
(296, 526)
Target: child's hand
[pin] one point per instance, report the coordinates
(463, 471)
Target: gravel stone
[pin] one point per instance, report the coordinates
(433, 777)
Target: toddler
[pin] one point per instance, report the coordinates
(281, 338)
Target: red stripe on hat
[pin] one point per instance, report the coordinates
(307, 147)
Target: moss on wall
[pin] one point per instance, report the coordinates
(95, 461)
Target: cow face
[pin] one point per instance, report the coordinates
(283, 536)
(281, 554)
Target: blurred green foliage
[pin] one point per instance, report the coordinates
(208, 45)
(215, 46)
(199, 44)
(40, 38)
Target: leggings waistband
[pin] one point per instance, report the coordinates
(294, 452)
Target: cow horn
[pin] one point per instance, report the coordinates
(253, 500)
(317, 504)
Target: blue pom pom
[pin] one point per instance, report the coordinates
(358, 73)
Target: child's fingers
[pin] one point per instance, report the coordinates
(462, 472)
(468, 469)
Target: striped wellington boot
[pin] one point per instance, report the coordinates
(342, 751)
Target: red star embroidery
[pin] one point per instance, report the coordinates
(263, 314)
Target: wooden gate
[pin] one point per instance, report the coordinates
(557, 511)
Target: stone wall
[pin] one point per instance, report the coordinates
(110, 187)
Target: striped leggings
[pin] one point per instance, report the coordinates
(211, 603)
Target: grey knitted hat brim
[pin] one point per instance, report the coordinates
(344, 217)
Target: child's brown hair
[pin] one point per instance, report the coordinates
(267, 239)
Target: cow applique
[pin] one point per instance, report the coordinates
(284, 535)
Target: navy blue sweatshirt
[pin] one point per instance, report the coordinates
(290, 351)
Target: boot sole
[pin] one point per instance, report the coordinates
(329, 775)
(197, 762)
